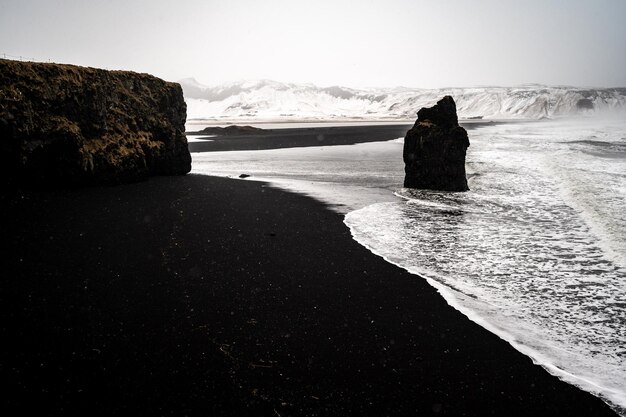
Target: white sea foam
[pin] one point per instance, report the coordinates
(199, 139)
(271, 100)
(534, 252)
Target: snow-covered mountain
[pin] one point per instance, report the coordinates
(270, 100)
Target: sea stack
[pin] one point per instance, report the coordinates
(434, 149)
(70, 125)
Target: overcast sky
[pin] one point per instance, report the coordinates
(354, 43)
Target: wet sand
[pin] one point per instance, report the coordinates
(208, 296)
(306, 136)
(298, 137)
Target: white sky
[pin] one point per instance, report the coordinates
(431, 43)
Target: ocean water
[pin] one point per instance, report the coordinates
(535, 252)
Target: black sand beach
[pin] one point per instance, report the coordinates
(207, 296)
(299, 137)
(306, 136)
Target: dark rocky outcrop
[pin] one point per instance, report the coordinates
(434, 149)
(70, 125)
(584, 104)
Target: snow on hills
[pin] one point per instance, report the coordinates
(275, 101)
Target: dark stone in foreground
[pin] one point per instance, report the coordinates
(434, 149)
(64, 124)
(235, 299)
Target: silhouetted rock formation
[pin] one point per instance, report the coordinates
(434, 149)
(63, 124)
(584, 104)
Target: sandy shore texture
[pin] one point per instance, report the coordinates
(299, 137)
(209, 296)
(307, 136)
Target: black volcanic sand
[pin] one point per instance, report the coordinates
(299, 137)
(205, 296)
(251, 140)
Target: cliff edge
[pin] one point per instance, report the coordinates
(70, 125)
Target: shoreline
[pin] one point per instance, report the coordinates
(338, 122)
(231, 297)
(298, 137)
(305, 136)
(538, 359)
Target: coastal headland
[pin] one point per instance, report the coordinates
(65, 124)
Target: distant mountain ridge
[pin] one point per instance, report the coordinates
(276, 101)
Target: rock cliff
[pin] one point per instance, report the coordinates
(69, 125)
(434, 149)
